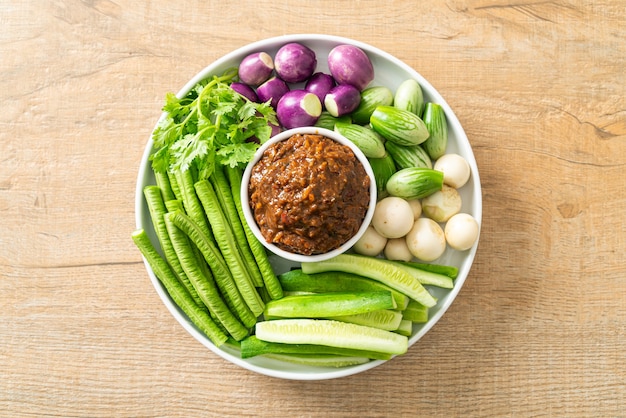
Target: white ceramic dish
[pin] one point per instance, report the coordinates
(248, 213)
(390, 72)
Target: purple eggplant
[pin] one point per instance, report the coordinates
(342, 100)
(273, 89)
(256, 68)
(245, 90)
(295, 62)
(349, 64)
(320, 84)
(298, 108)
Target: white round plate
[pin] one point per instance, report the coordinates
(390, 72)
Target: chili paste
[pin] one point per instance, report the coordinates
(309, 194)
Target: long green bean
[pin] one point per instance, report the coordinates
(174, 185)
(190, 200)
(157, 210)
(207, 290)
(193, 208)
(179, 294)
(216, 262)
(274, 289)
(163, 181)
(174, 205)
(225, 197)
(227, 246)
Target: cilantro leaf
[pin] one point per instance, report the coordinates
(189, 148)
(235, 154)
(211, 125)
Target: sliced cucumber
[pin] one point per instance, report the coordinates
(383, 319)
(253, 346)
(335, 281)
(450, 271)
(320, 360)
(405, 328)
(296, 293)
(324, 305)
(416, 312)
(427, 277)
(377, 269)
(331, 333)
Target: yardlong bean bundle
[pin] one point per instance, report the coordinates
(158, 209)
(177, 291)
(216, 262)
(204, 284)
(270, 281)
(227, 245)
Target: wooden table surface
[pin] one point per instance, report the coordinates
(539, 328)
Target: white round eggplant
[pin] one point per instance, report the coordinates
(455, 168)
(416, 206)
(461, 231)
(426, 240)
(393, 217)
(397, 250)
(442, 205)
(371, 243)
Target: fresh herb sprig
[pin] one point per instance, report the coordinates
(211, 125)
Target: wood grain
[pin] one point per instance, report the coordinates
(537, 330)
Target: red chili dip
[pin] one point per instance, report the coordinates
(309, 194)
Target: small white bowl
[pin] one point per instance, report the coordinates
(245, 198)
